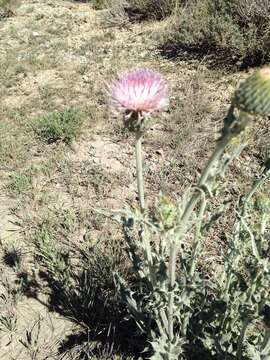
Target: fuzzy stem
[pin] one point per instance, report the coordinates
(203, 181)
(265, 348)
(149, 259)
(139, 169)
(241, 339)
(164, 320)
(196, 242)
(247, 320)
(172, 265)
(213, 159)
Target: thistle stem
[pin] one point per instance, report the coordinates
(265, 348)
(203, 180)
(196, 242)
(139, 169)
(241, 339)
(213, 159)
(172, 266)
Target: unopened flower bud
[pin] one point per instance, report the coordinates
(167, 212)
(253, 95)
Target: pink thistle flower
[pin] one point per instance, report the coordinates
(140, 91)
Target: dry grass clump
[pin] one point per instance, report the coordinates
(78, 276)
(150, 9)
(254, 11)
(121, 12)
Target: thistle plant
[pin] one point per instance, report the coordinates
(138, 94)
(181, 312)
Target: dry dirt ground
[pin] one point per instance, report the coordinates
(55, 55)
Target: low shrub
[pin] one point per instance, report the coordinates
(237, 30)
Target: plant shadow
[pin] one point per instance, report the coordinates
(103, 330)
(213, 58)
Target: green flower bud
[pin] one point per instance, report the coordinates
(167, 212)
(253, 95)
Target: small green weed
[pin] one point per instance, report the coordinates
(59, 126)
(31, 340)
(4, 3)
(8, 322)
(19, 69)
(20, 183)
(47, 252)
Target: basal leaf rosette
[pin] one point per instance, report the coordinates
(253, 95)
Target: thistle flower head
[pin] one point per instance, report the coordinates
(140, 91)
(253, 95)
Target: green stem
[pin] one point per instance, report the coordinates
(265, 348)
(164, 320)
(241, 339)
(247, 320)
(213, 159)
(203, 181)
(196, 242)
(139, 169)
(149, 259)
(172, 265)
